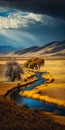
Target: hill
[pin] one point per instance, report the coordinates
(13, 117)
(53, 50)
(27, 50)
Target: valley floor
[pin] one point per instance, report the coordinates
(49, 92)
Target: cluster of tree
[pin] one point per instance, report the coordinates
(34, 63)
(13, 70)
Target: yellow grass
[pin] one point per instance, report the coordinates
(56, 68)
(57, 118)
(13, 117)
(6, 86)
(50, 92)
(44, 96)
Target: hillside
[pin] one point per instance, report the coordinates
(27, 50)
(52, 50)
(13, 117)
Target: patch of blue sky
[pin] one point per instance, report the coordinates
(3, 14)
(7, 12)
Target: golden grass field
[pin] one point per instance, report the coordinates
(49, 92)
(6, 85)
(14, 117)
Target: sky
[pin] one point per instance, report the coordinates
(26, 23)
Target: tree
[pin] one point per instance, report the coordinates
(13, 70)
(34, 63)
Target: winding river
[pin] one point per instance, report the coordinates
(32, 103)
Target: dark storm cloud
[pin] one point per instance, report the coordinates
(54, 8)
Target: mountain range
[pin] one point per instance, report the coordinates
(53, 49)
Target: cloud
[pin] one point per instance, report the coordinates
(31, 22)
(2, 9)
(14, 19)
(18, 19)
(54, 8)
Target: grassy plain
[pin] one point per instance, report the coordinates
(52, 92)
(27, 77)
(49, 92)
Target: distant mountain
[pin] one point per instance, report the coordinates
(6, 49)
(54, 47)
(50, 50)
(27, 50)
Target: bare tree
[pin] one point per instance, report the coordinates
(13, 70)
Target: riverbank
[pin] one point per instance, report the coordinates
(6, 87)
(41, 93)
(47, 92)
(50, 92)
(15, 117)
(54, 68)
